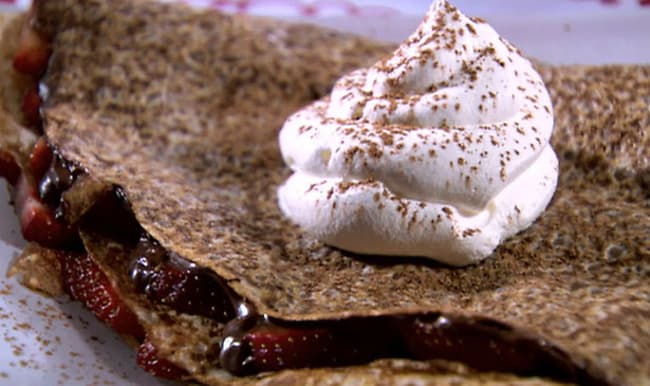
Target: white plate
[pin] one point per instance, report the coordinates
(55, 342)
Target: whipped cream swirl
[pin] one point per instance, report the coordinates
(441, 150)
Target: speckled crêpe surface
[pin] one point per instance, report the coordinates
(190, 134)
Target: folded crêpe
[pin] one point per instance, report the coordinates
(181, 109)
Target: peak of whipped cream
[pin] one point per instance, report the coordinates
(440, 151)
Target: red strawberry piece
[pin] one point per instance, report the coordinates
(84, 281)
(429, 337)
(483, 345)
(31, 107)
(40, 159)
(33, 53)
(274, 347)
(9, 168)
(149, 361)
(38, 222)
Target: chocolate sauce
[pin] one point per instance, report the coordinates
(112, 216)
(62, 173)
(146, 258)
(59, 177)
(235, 355)
(168, 279)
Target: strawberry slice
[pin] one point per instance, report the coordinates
(40, 159)
(33, 53)
(84, 281)
(38, 222)
(274, 347)
(483, 345)
(31, 107)
(148, 360)
(9, 168)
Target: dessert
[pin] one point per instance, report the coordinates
(440, 150)
(161, 159)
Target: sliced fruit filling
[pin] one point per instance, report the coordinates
(34, 51)
(30, 108)
(85, 281)
(253, 342)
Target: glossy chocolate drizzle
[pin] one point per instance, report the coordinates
(167, 278)
(58, 178)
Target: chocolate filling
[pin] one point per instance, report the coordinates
(57, 179)
(167, 278)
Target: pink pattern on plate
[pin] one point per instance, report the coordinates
(320, 6)
(346, 7)
(642, 3)
(315, 8)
